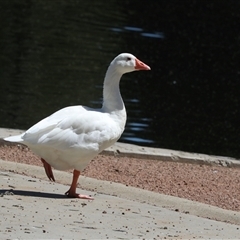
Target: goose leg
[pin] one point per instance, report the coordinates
(72, 191)
(48, 170)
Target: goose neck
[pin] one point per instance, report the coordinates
(112, 100)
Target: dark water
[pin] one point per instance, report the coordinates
(55, 53)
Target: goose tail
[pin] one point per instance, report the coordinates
(17, 138)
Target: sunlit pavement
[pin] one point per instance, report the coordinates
(34, 208)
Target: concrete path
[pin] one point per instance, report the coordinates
(34, 208)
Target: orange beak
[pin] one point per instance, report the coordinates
(141, 66)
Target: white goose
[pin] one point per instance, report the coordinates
(71, 137)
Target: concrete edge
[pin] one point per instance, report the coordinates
(130, 193)
(130, 150)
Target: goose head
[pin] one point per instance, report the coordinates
(126, 62)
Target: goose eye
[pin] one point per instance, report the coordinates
(128, 59)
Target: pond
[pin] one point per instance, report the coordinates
(55, 54)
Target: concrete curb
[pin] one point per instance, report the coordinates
(130, 150)
(130, 193)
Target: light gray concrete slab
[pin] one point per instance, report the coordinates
(130, 193)
(38, 210)
(6, 132)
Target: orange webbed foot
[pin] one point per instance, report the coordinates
(72, 190)
(71, 194)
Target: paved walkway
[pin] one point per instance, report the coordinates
(32, 208)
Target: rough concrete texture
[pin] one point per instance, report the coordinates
(33, 208)
(39, 210)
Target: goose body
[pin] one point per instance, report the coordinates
(71, 137)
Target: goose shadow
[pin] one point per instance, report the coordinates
(5, 192)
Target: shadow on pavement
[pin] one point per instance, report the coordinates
(4, 192)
